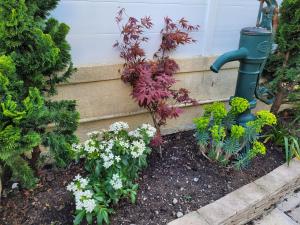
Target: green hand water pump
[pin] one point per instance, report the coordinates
(254, 48)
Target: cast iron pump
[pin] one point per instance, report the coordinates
(254, 48)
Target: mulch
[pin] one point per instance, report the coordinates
(179, 182)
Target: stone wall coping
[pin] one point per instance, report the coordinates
(105, 72)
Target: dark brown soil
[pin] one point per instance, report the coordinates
(182, 181)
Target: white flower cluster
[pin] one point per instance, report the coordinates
(108, 157)
(76, 147)
(94, 134)
(116, 182)
(118, 126)
(109, 147)
(89, 146)
(137, 148)
(124, 143)
(150, 131)
(105, 148)
(78, 183)
(85, 201)
(135, 133)
(83, 198)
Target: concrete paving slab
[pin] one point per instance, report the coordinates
(290, 202)
(276, 217)
(295, 214)
(192, 218)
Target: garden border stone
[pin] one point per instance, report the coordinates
(249, 201)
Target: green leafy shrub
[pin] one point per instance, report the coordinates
(291, 147)
(283, 67)
(286, 134)
(37, 47)
(17, 137)
(112, 160)
(283, 74)
(221, 139)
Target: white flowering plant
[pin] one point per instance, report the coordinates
(112, 160)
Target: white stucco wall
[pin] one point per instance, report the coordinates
(93, 27)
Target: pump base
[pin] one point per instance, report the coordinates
(244, 118)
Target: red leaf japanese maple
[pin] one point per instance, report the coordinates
(152, 80)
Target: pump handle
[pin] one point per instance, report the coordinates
(259, 12)
(263, 19)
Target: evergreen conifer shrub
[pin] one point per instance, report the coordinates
(283, 68)
(38, 58)
(17, 137)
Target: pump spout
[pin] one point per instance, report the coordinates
(229, 57)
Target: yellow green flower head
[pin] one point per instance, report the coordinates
(239, 105)
(255, 124)
(201, 123)
(237, 131)
(267, 117)
(218, 133)
(217, 109)
(259, 148)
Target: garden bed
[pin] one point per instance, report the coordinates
(180, 182)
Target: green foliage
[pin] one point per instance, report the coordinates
(263, 118)
(287, 136)
(237, 131)
(217, 133)
(16, 137)
(60, 138)
(36, 44)
(291, 147)
(283, 70)
(238, 105)
(258, 148)
(112, 160)
(222, 140)
(38, 58)
(202, 122)
(217, 110)
(283, 67)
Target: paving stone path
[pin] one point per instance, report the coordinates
(287, 212)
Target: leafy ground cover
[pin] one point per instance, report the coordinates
(182, 181)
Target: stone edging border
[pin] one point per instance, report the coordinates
(247, 202)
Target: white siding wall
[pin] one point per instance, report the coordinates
(93, 27)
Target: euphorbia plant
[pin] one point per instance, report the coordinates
(222, 139)
(152, 80)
